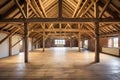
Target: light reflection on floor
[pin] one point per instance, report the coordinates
(60, 63)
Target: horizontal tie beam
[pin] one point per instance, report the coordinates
(60, 20)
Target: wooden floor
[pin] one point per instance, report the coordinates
(60, 64)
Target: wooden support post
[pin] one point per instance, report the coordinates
(82, 43)
(96, 15)
(10, 46)
(32, 44)
(70, 42)
(37, 44)
(43, 42)
(97, 58)
(26, 34)
(26, 41)
(44, 38)
(79, 37)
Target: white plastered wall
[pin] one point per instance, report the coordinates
(4, 47)
(16, 48)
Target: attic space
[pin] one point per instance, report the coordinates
(59, 39)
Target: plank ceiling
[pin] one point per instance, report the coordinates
(70, 9)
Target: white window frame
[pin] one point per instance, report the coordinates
(59, 42)
(113, 42)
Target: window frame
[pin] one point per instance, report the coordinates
(59, 41)
(113, 42)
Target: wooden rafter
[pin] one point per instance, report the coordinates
(115, 8)
(82, 14)
(38, 39)
(21, 10)
(36, 7)
(42, 8)
(104, 8)
(71, 8)
(82, 8)
(77, 7)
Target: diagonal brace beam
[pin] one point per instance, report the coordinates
(9, 35)
(21, 10)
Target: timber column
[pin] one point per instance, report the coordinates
(10, 46)
(44, 37)
(97, 55)
(96, 24)
(26, 34)
(79, 38)
(71, 42)
(26, 41)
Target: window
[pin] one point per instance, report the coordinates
(113, 42)
(86, 44)
(59, 42)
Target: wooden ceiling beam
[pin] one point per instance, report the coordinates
(88, 27)
(29, 3)
(60, 20)
(60, 8)
(42, 8)
(115, 8)
(21, 10)
(82, 8)
(104, 8)
(71, 3)
(36, 7)
(93, 37)
(77, 7)
(116, 33)
(108, 10)
(49, 3)
(87, 9)
(60, 30)
(38, 39)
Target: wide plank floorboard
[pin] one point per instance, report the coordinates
(60, 64)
